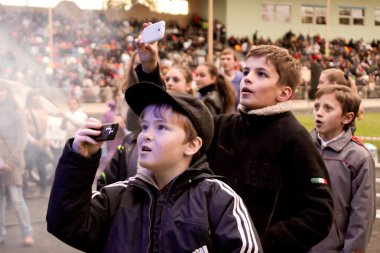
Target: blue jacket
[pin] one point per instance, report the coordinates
(198, 212)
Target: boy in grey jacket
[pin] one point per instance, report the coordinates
(351, 170)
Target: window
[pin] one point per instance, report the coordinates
(276, 12)
(311, 14)
(351, 16)
(377, 16)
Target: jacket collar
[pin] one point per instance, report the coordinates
(337, 144)
(204, 90)
(269, 110)
(199, 169)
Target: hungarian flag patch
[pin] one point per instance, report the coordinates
(318, 180)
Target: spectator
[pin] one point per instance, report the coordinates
(37, 152)
(351, 169)
(174, 196)
(179, 79)
(13, 137)
(336, 76)
(215, 90)
(269, 158)
(229, 64)
(74, 117)
(315, 72)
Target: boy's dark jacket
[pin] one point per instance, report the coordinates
(194, 214)
(271, 162)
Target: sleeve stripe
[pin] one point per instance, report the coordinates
(242, 218)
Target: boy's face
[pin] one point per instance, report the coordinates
(161, 142)
(227, 62)
(329, 118)
(259, 89)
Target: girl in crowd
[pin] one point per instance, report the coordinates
(215, 90)
(179, 79)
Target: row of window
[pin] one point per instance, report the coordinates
(316, 14)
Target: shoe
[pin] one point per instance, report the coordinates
(28, 241)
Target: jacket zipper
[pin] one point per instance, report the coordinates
(150, 213)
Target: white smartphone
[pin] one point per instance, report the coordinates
(154, 32)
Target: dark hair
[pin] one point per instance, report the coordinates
(225, 88)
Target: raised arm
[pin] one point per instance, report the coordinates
(149, 69)
(72, 216)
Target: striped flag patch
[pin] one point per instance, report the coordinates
(318, 180)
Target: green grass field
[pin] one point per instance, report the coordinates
(369, 126)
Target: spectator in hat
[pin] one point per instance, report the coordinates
(173, 198)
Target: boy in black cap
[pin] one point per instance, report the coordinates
(173, 204)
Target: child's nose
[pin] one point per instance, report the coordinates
(247, 80)
(319, 112)
(148, 134)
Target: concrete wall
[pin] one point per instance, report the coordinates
(244, 17)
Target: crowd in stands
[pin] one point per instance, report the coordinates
(90, 53)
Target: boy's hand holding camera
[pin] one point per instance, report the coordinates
(91, 135)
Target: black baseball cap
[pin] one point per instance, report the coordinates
(142, 94)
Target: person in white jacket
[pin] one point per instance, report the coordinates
(74, 118)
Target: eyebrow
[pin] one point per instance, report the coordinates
(257, 69)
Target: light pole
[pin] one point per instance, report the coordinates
(327, 44)
(50, 17)
(210, 54)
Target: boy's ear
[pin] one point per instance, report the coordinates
(347, 118)
(193, 146)
(285, 93)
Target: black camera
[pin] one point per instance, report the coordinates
(108, 132)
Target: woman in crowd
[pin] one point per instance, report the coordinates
(179, 79)
(215, 90)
